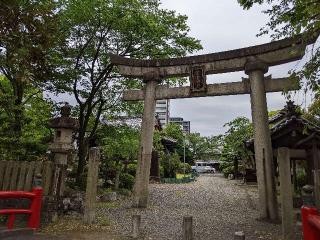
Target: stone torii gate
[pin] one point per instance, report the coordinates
(254, 60)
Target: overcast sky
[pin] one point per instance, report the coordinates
(220, 26)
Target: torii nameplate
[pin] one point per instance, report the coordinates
(198, 79)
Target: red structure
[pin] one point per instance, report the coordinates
(311, 223)
(34, 212)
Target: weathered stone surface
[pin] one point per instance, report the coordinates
(141, 186)
(136, 226)
(286, 194)
(72, 204)
(187, 228)
(274, 53)
(317, 188)
(219, 89)
(109, 197)
(91, 188)
(254, 63)
(262, 147)
(218, 56)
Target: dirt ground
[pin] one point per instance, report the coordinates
(219, 208)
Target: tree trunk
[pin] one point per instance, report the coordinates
(85, 112)
(117, 180)
(236, 168)
(17, 121)
(82, 156)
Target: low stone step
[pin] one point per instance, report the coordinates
(16, 234)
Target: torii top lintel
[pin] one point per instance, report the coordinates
(273, 53)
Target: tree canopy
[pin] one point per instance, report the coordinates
(95, 28)
(238, 132)
(28, 37)
(289, 18)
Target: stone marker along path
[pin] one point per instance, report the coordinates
(219, 208)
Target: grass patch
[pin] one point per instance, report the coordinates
(107, 205)
(180, 175)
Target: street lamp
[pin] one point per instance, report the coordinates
(184, 155)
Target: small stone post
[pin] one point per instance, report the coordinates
(286, 193)
(239, 236)
(187, 228)
(91, 189)
(256, 69)
(317, 188)
(141, 185)
(136, 223)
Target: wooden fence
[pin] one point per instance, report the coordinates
(18, 175)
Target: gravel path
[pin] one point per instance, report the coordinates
(219, 208)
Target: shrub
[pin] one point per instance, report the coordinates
(132, 168)
(170, 164)
(161, 171)
(126, 181)
(228, 170)
(301, 178)
(184, 166)
(124, 191)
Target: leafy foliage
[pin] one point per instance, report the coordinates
(204, 148)
(170, 164)
(120, 145)
(28, 36)
(289, 18)
(95, 28)
(34, 133)
(239, 130)
(119, 142)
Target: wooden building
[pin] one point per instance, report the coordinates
(289, 128)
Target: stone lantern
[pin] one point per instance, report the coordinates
(62, 145)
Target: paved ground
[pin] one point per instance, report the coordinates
(219, 207)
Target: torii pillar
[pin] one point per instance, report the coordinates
(141, 185)
(256, 69)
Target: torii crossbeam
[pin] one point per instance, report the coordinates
(219, 89)
(255, 61)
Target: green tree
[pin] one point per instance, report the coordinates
(203, 148)
(174, 131)
(239, 131)
(292, 17)
(27, 40)
(95, 28)
(197, 145)
(35, 133)
(120, 146)
(214, 147)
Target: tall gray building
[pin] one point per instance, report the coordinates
(184, 124)
(163, 111)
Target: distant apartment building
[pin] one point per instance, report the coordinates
(163, 111)
(184, 124)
